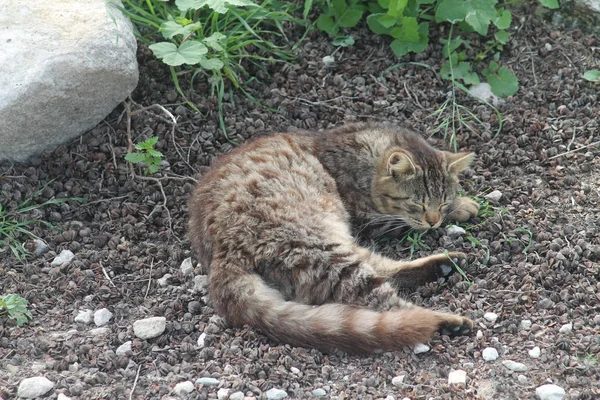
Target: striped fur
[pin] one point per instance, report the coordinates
(274, 221)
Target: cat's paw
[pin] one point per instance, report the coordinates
(443, 265)
(455, 325)
(463, 209)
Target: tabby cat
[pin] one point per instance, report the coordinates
(275, 221)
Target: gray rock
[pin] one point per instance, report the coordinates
(183, 388)
(149, 328)
(187, 268)
(489, 354)
(514, 366)
(458, 377)
(40, 247)
(200, 284)
(61, 74)
(550, 392)
(102, 317)
(479, 335)
(124, 348)
(207, 381)
(62, 397)
(37, 386)
(276, 394)
(64, 257)
(319, 392)
(522, 379)
(85, 316)
(455, 231)
(495, 196)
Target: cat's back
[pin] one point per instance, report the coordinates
(261, 183)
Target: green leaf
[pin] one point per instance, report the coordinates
(135, 158)
(504, 83)
(326, 24)
(592, 75)
(550, 3)
(387, 20)
(213, 64)
(307, 7)
(503, 20)
(502, 37)
(219, 6)
(172, 28)
(189, 52)
(339, 7)
(213, 41)
(396, 7)
(343, 41)
(450, 45)
(384, 3)
(401, 48)
(408, 31)
(350, 18)
(155, 153)
(376, 26)
(148, 143)
(477, 13)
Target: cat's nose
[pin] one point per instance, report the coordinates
(432, 218)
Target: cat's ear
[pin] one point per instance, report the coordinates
(400, 163)
(458, 162)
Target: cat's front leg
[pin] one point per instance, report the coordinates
(428, 269)
(462, 209)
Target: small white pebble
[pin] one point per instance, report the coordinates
(479, 335)
(37, 386)
(183, 388)
(294, 370)
(455, 231)
(496, 195)
(102, 317)
(522, 379)
(421, 348)
(237, 396)
(124, 348)
(149, 328)
(535, 352)
(458, 377)
(390, 397)
(61, 396)
(566, 329)
(64, 257)
(490, 316)
(469, 365)
(514, 366)
(85, 316)
(207, 381)
(328, 60)
(223, 394)
(548, 46)
(201, 339)
(187, 267)
(319, 392)
(164, 281)
(103, 331)
(489, 354)
(525, 324)
(550, 392)
(276, 394)
(398, 381)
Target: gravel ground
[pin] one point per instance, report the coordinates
(534, 260)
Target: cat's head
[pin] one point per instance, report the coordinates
(420, 188)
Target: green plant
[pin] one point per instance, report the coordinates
(211, 38)
(15, 307)
(592, 75)
(146, 155)
(414, 238)
(13, 223)
(460, 270)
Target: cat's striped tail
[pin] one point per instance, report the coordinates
(245, 298)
